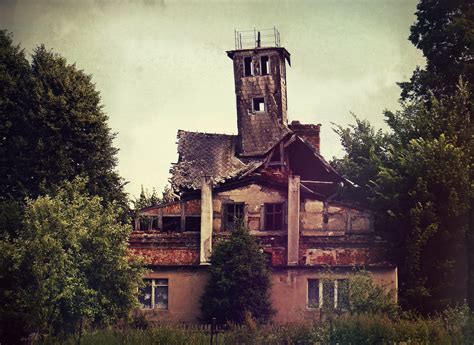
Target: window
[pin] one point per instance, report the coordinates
(171, 223)
(154, 223)
(313, 293)
(258, 104)
(144, 223)
(248, 68)
(328, 294)
(154, 295)
(233, 214)
(264, 65)
(274, 216)
(192, 224)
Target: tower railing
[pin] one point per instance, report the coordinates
(256, 38)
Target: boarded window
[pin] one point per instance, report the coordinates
(154, 223)
(258, 104)
(342, 294)
(233, 215)
(248, 69)
(154, 295)
(192, 224)
(274, 216)
(313, 293)
(171, 223)
(264, 65)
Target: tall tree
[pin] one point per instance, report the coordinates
(444, 31)
(52, 127)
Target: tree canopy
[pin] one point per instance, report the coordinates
(52, 127)
(69, 266)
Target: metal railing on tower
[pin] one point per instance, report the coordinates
(256, 38)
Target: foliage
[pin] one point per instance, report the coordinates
(444, 31)
(239, 281)
(52, 127)
(70, 262)
(418, 183)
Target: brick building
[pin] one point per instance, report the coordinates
(272, 176)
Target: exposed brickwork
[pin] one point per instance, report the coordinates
(166, 256)
(308, 132)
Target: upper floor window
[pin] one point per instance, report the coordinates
(264, 65)
(274, 216)
(258, 104)
(154, 295)
(233, 214)
(248, 67)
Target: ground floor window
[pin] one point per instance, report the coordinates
(328, 293)
(154, 295)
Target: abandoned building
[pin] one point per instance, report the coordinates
(271, 175)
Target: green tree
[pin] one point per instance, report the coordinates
(419, 185)
(52, 127)
(239, 281)
(444, 33)
(70, 263)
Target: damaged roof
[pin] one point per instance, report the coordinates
(206, 154)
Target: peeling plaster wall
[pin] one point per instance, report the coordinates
(289, 292)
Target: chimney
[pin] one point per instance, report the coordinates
(310, 133)
(293, 219)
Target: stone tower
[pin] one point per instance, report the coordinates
(260, 89)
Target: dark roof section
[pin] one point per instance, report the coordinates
(205, 154)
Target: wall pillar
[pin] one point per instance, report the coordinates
(206, 219)
(293, 219)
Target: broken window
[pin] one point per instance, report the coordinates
(313, 293)
(328, 301)
(274, 216)
(233, 215)
(154, 223)
(192, 224)
(264, 65)
(258, 104)
(144, 223)
(248, 68)
(171, 223)
(154, 295)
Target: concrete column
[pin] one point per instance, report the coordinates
(293, 219)
(206, 219)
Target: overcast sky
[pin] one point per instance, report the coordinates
(161, 65)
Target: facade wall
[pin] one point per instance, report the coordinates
(289, 292)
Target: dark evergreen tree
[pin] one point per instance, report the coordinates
(239, 282)
(52, 127)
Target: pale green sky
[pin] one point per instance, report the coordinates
(161, 65)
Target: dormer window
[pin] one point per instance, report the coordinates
(248, 68)
(264, 65)
(258, 104)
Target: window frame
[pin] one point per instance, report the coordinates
(263, 102)
(228, 226)
(251, 72)
(267, 65)
(335, 294)
(153, 285)
(274, 214)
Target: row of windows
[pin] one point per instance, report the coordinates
(233, 213)
(322, 293)
(264, 66)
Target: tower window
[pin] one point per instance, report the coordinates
(264, 65)
(248, 68)
(258, 104)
